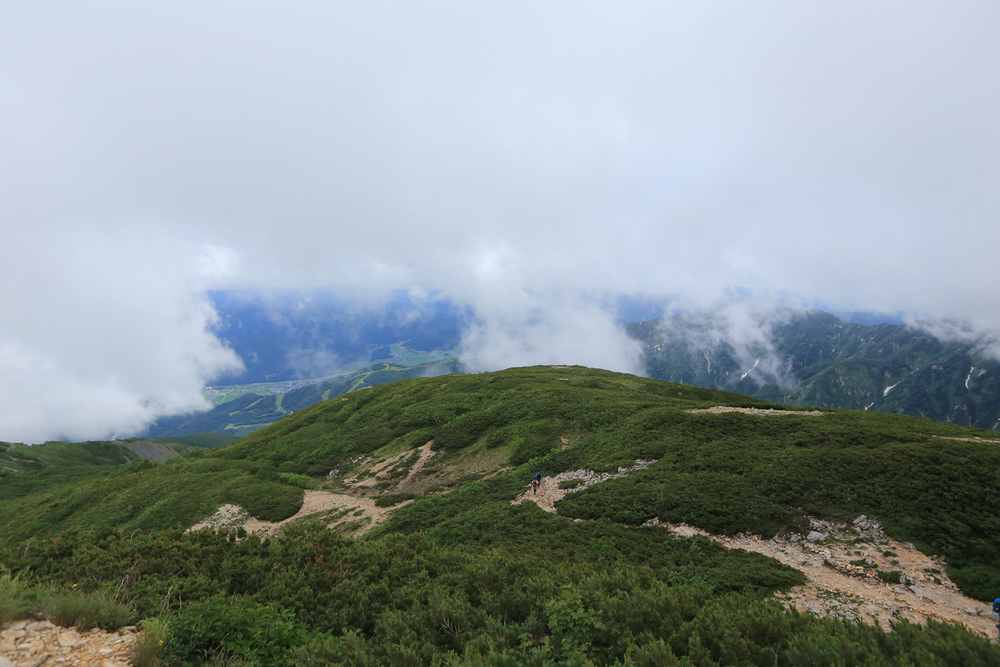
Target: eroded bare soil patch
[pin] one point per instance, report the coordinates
(760, 412)
(340, 511)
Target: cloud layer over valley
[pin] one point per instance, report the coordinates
(529, 160)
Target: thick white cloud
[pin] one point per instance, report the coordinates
(514, 156)
(102, 334)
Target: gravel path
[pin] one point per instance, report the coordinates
(351, 509)
(760, 412)
(838, 588)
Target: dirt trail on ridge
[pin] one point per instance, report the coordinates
(356, 514)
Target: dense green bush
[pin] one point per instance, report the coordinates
(392, 499)
(85, 611)
(19, 599)
(270, 501)
(295, 479)
(467, 578)
(557, 591)
(15, 600)
(889, 577)
(232, 626)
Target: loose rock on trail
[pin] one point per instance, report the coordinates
(33, 643)
(844, 589)
(356, 514)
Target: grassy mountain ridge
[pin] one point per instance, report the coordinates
(460, 576)
(251, 411)
(841, 464)
(815, 358)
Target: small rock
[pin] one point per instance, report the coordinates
(916, 591)
(68, 638)
(815, 536)
(4, 662)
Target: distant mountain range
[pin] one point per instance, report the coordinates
(251, 411)
(804, 358)
(817, 359)
(298, 334)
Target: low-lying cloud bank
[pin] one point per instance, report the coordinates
(519, 158)
(563, 332)
(127, 338)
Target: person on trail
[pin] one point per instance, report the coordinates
(534, 485)
(996, 609)
(538, 477)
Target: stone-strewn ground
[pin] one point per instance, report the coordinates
(340, 509)
(549, 493)
(837, 587)
(37, 643)
(355, 514)
(760, 412)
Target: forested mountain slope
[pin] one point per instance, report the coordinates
(456, 574)
(815, 358)
(251, 411)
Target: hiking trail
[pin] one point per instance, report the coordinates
(841, 568)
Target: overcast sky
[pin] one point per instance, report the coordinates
(525, 158)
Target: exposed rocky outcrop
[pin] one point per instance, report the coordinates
(35, 643)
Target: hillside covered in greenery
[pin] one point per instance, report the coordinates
(459, 575)
(815, 358)
(246, 410)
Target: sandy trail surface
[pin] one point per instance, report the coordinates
(354, 514)
(338, 509)
(381, 471)
(839, 588)
(760, 412)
